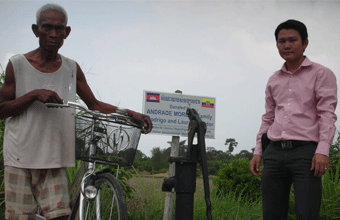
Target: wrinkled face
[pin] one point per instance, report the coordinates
(290, 45)
(51, 30)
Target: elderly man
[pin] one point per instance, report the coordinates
(39, 142)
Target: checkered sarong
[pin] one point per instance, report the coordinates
(25, 189)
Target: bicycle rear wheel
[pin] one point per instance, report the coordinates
(109, 203)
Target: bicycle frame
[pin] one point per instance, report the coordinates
(87, 177)
(91, 171)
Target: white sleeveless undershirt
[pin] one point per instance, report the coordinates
(42, 137)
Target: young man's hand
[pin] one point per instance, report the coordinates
(319, 164)
(145, 119)
(255, 165)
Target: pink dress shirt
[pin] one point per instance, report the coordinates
(300, 106)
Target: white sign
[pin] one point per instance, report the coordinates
(168, 112)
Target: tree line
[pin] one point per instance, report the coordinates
(158, 161)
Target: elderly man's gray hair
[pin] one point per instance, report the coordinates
(53, 7)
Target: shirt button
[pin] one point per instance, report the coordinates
(288, 103)
(283, 132)
(289, 90)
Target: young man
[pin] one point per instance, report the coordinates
(300, 103)
(39, 141)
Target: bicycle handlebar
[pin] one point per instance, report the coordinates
(114, 117)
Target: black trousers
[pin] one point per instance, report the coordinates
(282, 168)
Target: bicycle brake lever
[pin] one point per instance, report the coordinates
(56, 105)
(71, 104)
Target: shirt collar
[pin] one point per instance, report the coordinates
(306, 62)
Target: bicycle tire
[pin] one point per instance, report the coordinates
(112, 199)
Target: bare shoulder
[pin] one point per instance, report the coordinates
(80, 74)
(32, 56)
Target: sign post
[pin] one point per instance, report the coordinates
(170, 195)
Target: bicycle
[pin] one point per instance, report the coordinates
(109, 139)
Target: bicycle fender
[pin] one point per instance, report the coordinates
(97, 172)
(105, 170)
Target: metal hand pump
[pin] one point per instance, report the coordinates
(184, 181)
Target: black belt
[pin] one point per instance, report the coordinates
(292, 143)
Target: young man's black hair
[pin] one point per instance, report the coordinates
(293, 24)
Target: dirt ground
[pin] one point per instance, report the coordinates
(161, 175)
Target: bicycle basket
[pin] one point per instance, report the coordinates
(116, 144)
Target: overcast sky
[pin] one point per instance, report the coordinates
(221, 49)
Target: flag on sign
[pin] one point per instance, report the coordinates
(152, 97)
(208, 103)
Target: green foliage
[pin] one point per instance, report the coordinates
(199, 172)
(147, 202)
(142, 162)
(331, 193)
(235, 177)
(334, 154)
(159, 158)
(158, 162)
(231, 207)
(218, 155)
(146, 166)
(123, 177)
(331, 184)
(213, 166)
(163, 170)
(244, 154)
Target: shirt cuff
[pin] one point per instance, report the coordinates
(323, 148)
(258, 150)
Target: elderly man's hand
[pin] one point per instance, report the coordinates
(145, 119)
(319, 164)
(46, 96)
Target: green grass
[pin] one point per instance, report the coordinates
(229, 206)
(148, 202)
(330, 203)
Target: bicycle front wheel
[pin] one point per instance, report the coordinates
(109, 204)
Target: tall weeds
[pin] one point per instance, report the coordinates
(330, 205)
(148, 201)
